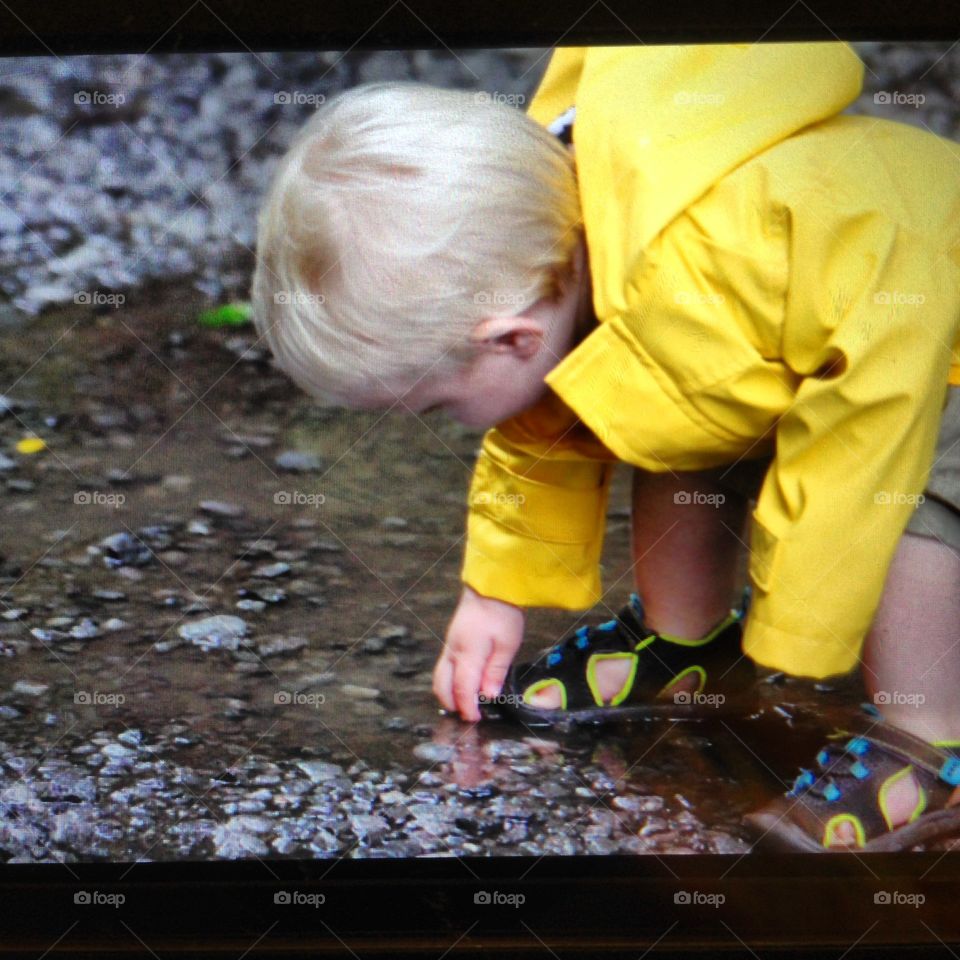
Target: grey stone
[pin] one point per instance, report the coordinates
(319, 771)
(298, 461)
(360, 693)
(221, 508)
(281, 646)
(218, 632)
(435, 752)
(369, 827)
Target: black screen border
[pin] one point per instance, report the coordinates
(614, 906)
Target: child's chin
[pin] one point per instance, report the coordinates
(478, 421)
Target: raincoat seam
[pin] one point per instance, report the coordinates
(686, 404)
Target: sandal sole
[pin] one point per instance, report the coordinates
(530, 716)
(777, 834)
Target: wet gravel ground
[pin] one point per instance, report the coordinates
(219, 612)
(220, 606)
(119, 170)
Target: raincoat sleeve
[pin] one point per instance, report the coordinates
(538, 496)
(537, 511)
(870, 330)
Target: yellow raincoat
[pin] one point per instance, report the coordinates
(769, 277)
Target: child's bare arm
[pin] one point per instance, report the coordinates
(482, 639)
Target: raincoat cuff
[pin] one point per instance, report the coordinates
(528, 572)
(797, 654)
(535, 510)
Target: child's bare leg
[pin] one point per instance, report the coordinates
(686, 534)
(911, 657)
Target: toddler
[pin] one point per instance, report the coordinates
(688, 260)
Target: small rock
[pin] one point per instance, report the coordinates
(270, 594)
(325, 546)
(272, 570)
(29, 689)
(123, 549)
(6, 463)
(368, 827)
(173, 558)
(165, 646)
(199, 528)
(506, 750)
(373, 645)
(86, 629)
(133, 737)
(324, 841)
(221, 508)
(319, 770)
(297, 461)
(253, 606)
(109, 596)
(368, 708)
(251, 824)
(360, 693)
(281, 646)
(177, 483)
(435, 752)
(400, 539)
(247, 439)
(219, 632)
(233, 844)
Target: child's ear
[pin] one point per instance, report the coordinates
(519, 335)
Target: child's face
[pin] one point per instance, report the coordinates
(513, 355)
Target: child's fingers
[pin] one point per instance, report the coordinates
(443, 683)
(466, 685)
(495, 673)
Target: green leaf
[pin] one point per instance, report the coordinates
(229, 315)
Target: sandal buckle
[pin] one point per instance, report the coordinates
(950, 771)
(857, 745)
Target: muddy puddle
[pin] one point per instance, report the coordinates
(220, 607)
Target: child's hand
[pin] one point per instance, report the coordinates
(482, 639)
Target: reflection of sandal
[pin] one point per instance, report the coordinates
(857, 771)
(659, 665)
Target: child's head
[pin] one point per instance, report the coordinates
(403, 226)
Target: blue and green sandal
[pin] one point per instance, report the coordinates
(656, 685)
(857, 768)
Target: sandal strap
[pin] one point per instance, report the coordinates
(937, 761)
(621, 633)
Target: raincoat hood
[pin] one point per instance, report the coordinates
(657, 126)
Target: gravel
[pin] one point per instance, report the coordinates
(117, 170)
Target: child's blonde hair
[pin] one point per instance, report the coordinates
(401, 216)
